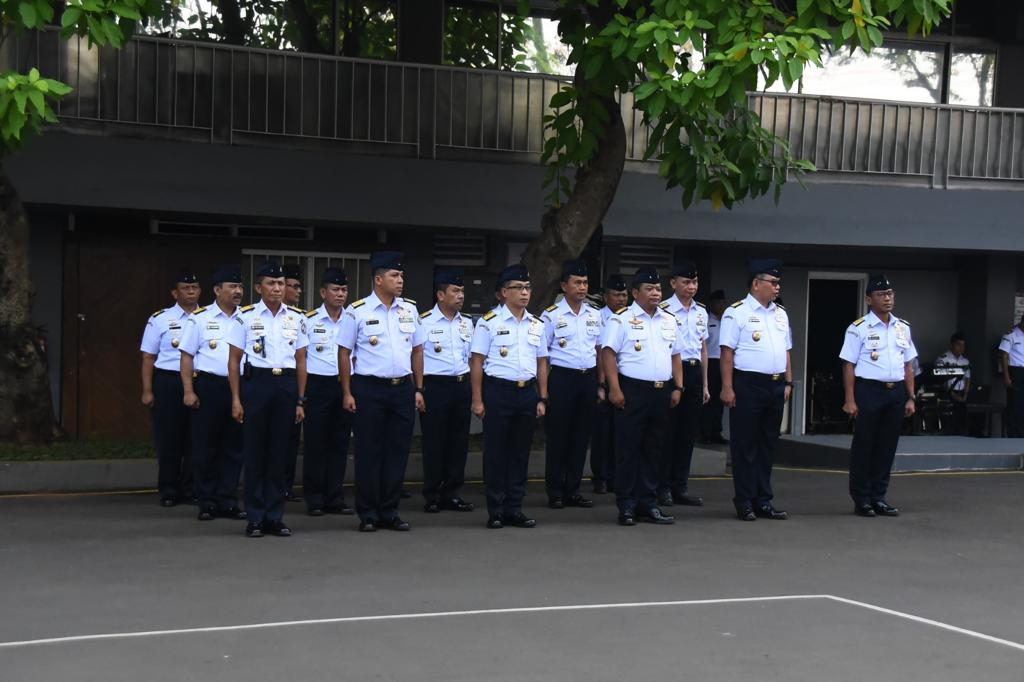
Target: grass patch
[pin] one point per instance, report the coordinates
(76, 450)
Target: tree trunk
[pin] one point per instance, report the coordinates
(309, 36)
(565, 231)
(26, 408)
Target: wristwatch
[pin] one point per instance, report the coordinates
(543, 400)
(678, 388)
(302, 401)
(790, 384)
(419, 389)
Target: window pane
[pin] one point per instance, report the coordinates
(471, 36)
(896, 72)
(532, 44)
(971, 77)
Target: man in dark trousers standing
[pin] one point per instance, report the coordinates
(878, 377)
(602, 444)
(756, 383)
(293, 298)
(711, 413)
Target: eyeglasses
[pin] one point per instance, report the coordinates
(770, 282)
(888, 293)
(519, 287)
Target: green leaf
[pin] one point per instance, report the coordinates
(645, 90)
(646, 27)
(28, 14)
(38, 101)
(33, 75)
(70, 17)
(875, 35)
(562, 98)
(848, 29)
(803, 5)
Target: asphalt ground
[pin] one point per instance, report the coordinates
(935, 594)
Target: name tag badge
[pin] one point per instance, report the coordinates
(502, 331)
(372, 321)
(436, 331)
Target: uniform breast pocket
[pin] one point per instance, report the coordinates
(668, 331)
(593, 329)
(872, 344)
(407, 327)
(533, 339)
(636, 333)
(566, 332)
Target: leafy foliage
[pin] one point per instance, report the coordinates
(25, 99)
(687, 65)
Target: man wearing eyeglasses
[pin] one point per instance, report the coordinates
(757, 380)
(878, 376)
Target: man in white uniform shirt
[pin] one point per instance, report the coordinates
(1011, 348)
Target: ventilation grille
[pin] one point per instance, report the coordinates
(632, 256)
(460, 249)
(176, 229)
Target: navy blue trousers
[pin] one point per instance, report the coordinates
(383, 424)
(674, 475)
(640, 430)
(445, 427)
(567, 425)
(269, 403)
(602, 444)
(876, 433)
(509, 420)
(325, 452)
(172, 436)
(216, 444)
(754, 432)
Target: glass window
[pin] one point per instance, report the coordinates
(897, 72)
(532, 44)
(971, 76)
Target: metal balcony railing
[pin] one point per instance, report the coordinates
(238, 95)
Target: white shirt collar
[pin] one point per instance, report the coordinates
(753, 303)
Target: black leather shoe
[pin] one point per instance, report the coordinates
(519, 519)
(769, 512)
(168, 502)
(277, 528)
(315, 511)
(495, 522)
(556, 503)
(665, 499)
(432, 507)
(627, 518)
(367, 526)
(600, 488)
(864, 510)
(207, 514)
(656, 516)
(233, 513)
(882, 508)
(292, 497)
(395, 523)
(457, 504)
(406, 494)
(746, 514)
(342, 509)
(680, 497)
(578, 500)
(718, 440)
(253, 530)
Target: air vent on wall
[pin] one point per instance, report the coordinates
(632, 256)
(460, 249)
(182, 229)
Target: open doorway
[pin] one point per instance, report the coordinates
(834, 300)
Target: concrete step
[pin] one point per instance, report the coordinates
(915, 453)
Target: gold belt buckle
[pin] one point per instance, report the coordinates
(659, 384)
(693, 363)
(460, 378)
(396, 381)
(277, 371)
(890, 384)
(520, 384)
(775, 377)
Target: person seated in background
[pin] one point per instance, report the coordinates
(957, 386)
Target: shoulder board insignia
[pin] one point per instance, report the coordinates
(311, 313)
(663, 305)
(621, 310)
(158, 313)
(246, 308)
(358, 303)
(903, 321)
(780, 307)
(704, 306)
(858, 322)
(409, 300)
(425, 313)
(668, 312)
(551, 308)
(490, 315)
(199, 310)
(593, 305)
(296, 310)
(737, 304)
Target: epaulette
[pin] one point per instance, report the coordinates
(668, 312)
(199, 310)
(858, 322)
(551, 308)
(158, 313)
(425, 314)
(292, 308)
(737, 304)
(593, 305)
(621, 310)
(489, 315)
(700, 304)
(780, 307)
(358, 303)
(903, 321)
(663, 305)
(246, 308)
(408, 300)
(311, 313)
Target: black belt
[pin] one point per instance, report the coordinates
(525, 383)
(385, 381)
(691, 363)
(645, 383)
(211, 376)
(322, 377)
(887, 385)
(446, 378)
(273, 372)
(781, 376)
(172, 372)
(589, 370)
